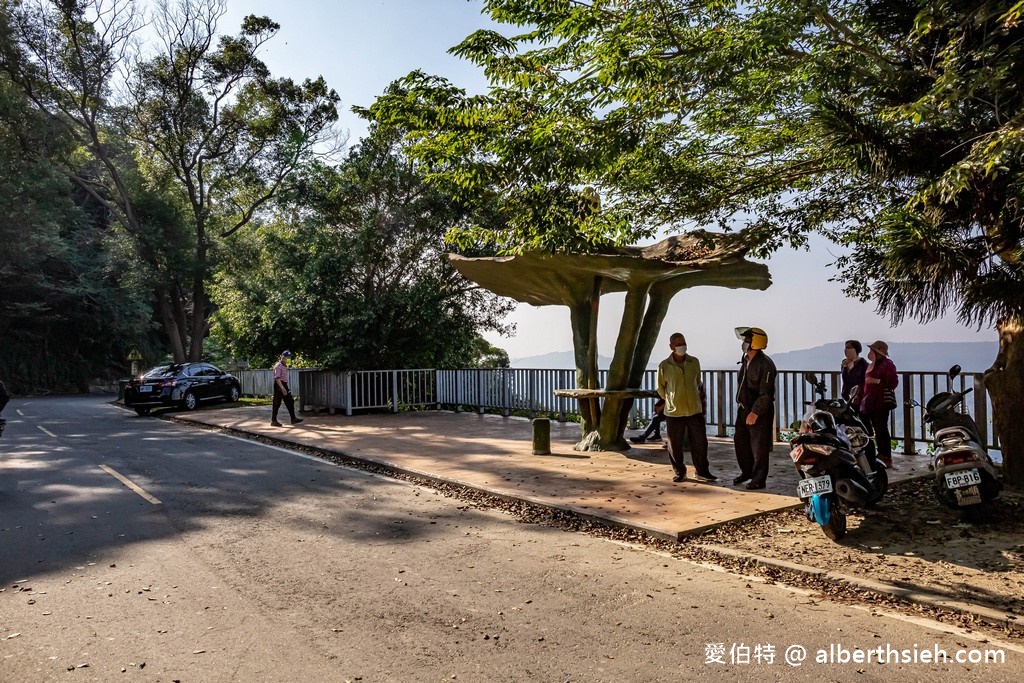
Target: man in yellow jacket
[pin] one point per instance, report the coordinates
(679, 385)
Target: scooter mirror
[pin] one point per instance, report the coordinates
(810, 378)
(954, 371)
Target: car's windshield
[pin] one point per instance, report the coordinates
(163, 372)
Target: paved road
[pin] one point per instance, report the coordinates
(233, 561)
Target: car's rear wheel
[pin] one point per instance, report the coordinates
(142, 412)
(190, 402)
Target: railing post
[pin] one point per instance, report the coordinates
(394, 390)
(458, 390)
(720, 383)
(531, 394)
(909, 445)
(981, 408)
(480, 391)
(506, 409)
(347, 393)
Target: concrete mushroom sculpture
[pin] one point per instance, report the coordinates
(650, 276)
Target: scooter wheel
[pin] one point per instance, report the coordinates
(881, 482)
(835, 529)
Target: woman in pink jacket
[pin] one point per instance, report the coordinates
(881, 375)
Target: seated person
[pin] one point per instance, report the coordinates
(653, 432)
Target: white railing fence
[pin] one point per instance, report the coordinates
(531, 393)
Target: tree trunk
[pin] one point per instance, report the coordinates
(1004, 382)
(200, 313)
(584, 342)
(200, 321)
(170, 323)
(615, 412)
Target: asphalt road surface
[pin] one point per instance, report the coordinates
(135, 549)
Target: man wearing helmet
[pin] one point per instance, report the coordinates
(755, 419)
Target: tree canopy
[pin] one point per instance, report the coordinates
(354, 272)
(198, 126)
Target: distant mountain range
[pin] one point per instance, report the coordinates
(908, 356)
(556, 360)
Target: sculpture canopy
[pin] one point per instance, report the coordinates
(675, 263)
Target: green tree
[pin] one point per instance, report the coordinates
(933, 122)
(487, 355)
(64, 311)
(892, 126)
(354, 274)
(199, 127)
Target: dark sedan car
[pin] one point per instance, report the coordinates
(184, 385)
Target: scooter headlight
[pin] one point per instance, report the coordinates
(858, 438)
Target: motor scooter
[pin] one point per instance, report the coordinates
(834, 456)
(965, 475)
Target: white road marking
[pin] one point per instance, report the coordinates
(44, 430)
(19, 412)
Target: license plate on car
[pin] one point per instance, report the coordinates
(805, 488)
(145, 389)
(963, 478)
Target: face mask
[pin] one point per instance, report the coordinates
(680, 350)
(746, 346)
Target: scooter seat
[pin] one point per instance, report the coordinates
(823, 438)
(953, 434)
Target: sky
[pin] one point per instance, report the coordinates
(360, 46)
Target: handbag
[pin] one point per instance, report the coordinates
(889, 399)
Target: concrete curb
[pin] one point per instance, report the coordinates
(913, 594)
(391, 468)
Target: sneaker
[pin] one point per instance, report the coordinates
(296, 420)
(679, 477)
(655, 438)
(707, 477)
(753, 486)
(637, 439)
(740, 479)
(275, 423)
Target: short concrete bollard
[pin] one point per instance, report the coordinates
(541, 436)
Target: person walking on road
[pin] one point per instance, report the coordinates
(755, 419)
(282, 392)
(679, 385)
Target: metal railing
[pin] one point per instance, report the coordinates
(531, 392)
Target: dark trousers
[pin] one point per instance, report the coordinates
(286, 396)
(679, 428)
(883, 439)
(654, 429)
(753, 444)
